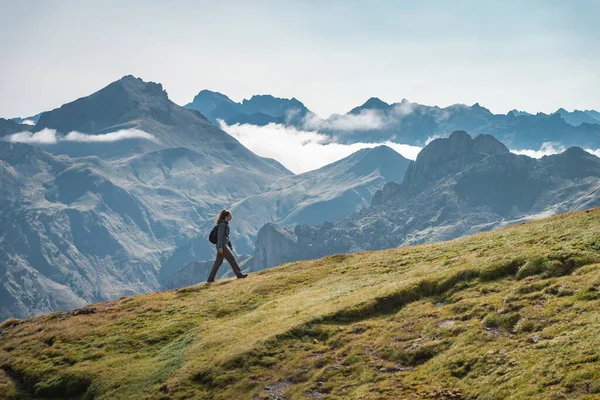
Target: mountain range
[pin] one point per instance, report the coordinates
(113, 194)
(405, 122)
(456, 186)
(125, 193)
(578, 117)
(258, 110)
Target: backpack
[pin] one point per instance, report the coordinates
(212, 237)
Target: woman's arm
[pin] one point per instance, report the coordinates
(220, 237)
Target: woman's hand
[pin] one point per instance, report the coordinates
(220, 251)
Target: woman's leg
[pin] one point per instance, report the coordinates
(234, 265)
(215, 268)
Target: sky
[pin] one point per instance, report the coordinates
(333, 55)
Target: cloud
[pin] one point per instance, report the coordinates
(27, 122)
(550, 148)
(594, 152)
(301, 150)
(45, 136)
(49, 136)
(110, 137)
(365, 120)
(432, 138)
(547, 149)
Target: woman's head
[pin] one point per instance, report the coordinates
(224, 215)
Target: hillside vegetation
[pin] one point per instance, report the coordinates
(513, 313)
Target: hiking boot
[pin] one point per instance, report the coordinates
(242, 276)
(210, 281)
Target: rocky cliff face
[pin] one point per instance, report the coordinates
(478, 185)
(274, 246)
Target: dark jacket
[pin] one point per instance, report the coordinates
(223, 235)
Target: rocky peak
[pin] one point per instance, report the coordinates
(448, 155)
(372, 104)
(572, 163)
(122, 101)
(137, 87)
(487, 144)
(270, 105)
(477, 107)
(206, 101)
(389, 162)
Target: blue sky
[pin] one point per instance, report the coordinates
(332, 55)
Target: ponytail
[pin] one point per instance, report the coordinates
(222, 215)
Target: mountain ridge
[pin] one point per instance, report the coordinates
(412, 123)
(450, 190)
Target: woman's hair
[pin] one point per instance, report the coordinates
(222, 215)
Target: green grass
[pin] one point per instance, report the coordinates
(513, 313)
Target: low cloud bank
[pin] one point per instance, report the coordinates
(546, 149)
(550, 148)
(306, 150)
(50, 136)
(301, 150)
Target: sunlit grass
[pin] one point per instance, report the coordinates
(511, 312)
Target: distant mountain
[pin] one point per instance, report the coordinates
(376, 121)
(9, 126)
(328, 193)
(258, 110)
(517, 113)
(414, 124)
(456, 186)
(372, 104)
(578, 117)
(594, 114)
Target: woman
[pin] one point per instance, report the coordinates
(224, 247)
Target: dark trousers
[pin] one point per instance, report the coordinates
(229, 257)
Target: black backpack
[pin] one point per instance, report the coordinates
(212, 237)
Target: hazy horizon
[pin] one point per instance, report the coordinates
(331, 56)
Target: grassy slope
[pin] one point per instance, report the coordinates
(510, 312)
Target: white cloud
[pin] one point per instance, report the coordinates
(594, 152)
(27, 122)
(432, 138)
(300, 150)
(547, 148)
(550, 148)
(49, 136)
(45, 136)
(110, 137)
(363, 121)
